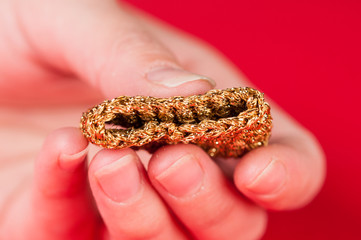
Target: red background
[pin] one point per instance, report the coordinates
(306, 55)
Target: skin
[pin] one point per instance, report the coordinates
(60, 57)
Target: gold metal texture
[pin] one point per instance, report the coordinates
(226, 123)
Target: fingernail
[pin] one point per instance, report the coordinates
(270, 180)
(120, 180)
(182, 178)
(72, 161)
(172, 77)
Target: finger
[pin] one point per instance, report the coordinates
(130, 208)
(101, 43)
(287, 174)
(58, 205)
(201, 196)
(61, 198)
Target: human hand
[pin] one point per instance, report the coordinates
(183, 193)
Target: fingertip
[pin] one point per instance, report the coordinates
(201, 196)
(178, 170)
(107, 156)
(278, 177)
(167, 156)
(175, 81)
(68, 144)
(69, 139)
(60, 162)
(115, 175)
(260, 172)
(60, 186)
(128, 204)
(166, 82)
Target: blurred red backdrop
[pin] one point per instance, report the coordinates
(306, 55)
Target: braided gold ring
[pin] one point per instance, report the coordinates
(224, 123)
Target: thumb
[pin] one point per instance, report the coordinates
(100, 42)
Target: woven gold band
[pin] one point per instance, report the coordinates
(224, 123)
